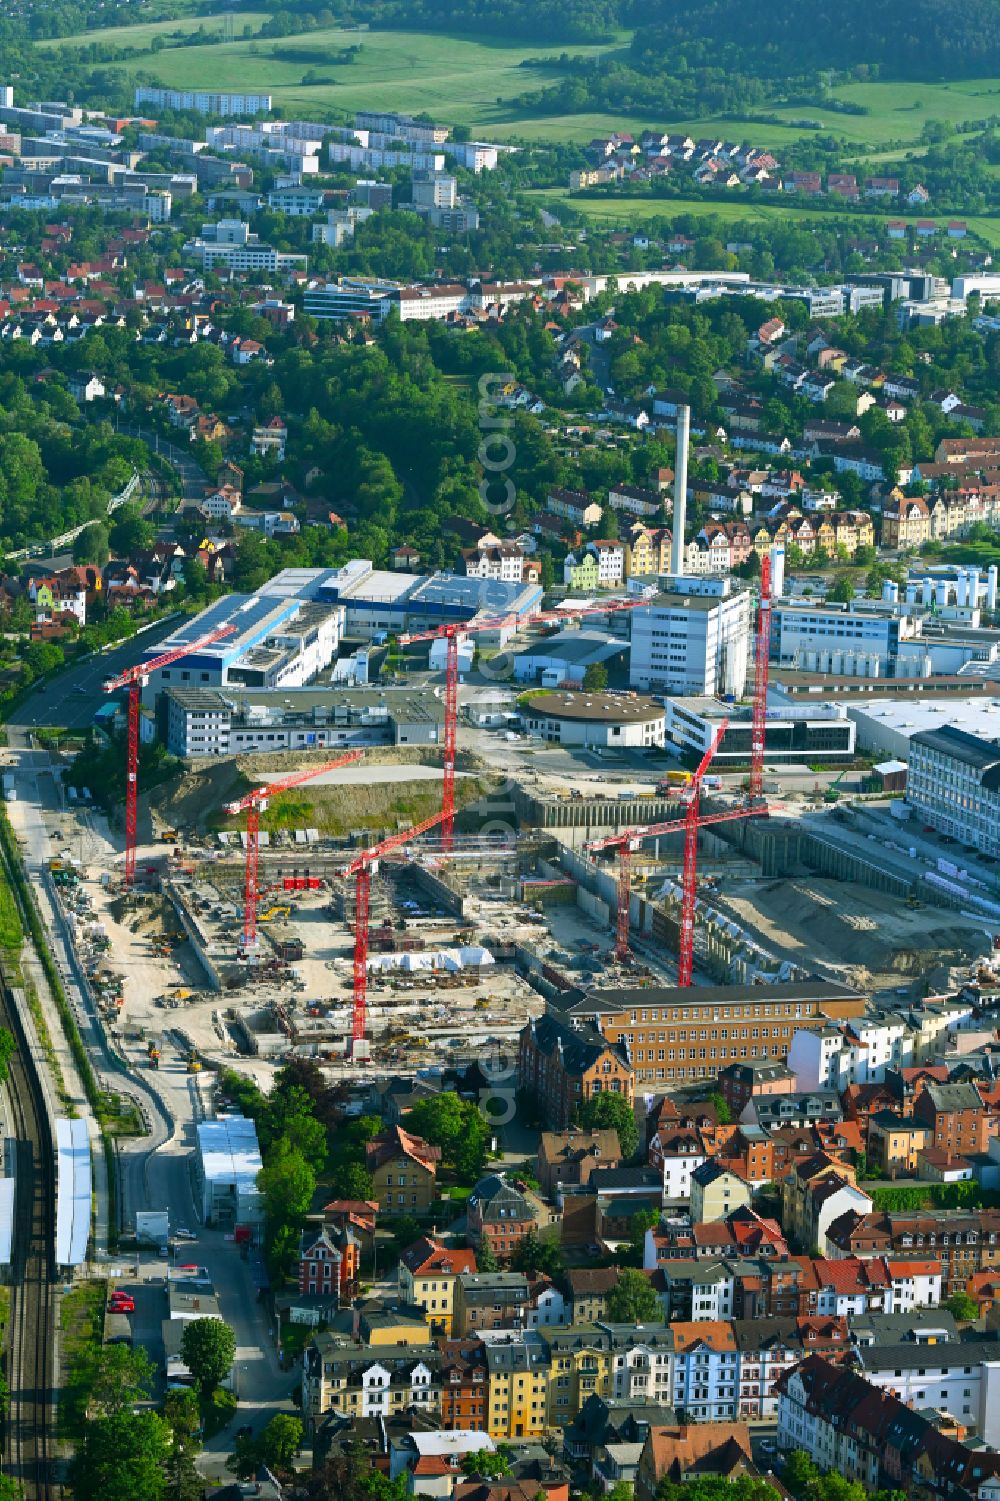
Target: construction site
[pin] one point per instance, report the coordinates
(393, 910)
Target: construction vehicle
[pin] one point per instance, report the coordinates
(674, 779)
(273, 912)
(153, 1053)
(832, 795)
(194, 1064)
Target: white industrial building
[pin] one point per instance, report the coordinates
(599, 720)
(694, 638)
(74, 1188)
(883, 638)
(945, 587)
(226, 1163)
(565, 657)
(274, 643)
(886, 726)
(954, 785)
(290, 630)
(795, 734)
(205, 722)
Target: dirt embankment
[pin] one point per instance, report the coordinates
(195, 800)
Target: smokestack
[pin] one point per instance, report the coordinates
(680, 492)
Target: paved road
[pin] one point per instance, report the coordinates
(156, 1170)
(73, 698)
(192, 478)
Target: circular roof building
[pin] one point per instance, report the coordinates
(601, 720)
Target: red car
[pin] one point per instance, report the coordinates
(121, 1303)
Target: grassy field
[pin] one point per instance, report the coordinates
(459, 79)
(623, 213)
(472, 82)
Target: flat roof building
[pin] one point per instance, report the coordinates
(227, 1160)
(201, 722)
(567, 655)
(693, 638)
(73, 1193)
(275, 642)
(795, 734)
(954, 785)
(888, 725)
(601, 720)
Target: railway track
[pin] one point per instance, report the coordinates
(29, 1439)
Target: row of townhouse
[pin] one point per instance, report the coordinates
(910, 521)
(844, 185)
(517, 1384)
(849, 1424)
(717, 548)
(700, 1289)
(964, 1241)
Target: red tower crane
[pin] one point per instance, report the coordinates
(762, 649)
(626, 841)
(252, 803)
(134, 678)
(451, 634)
(685, 966)
(361, 869)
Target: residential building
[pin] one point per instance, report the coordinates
(269, 439)
(573, 505)
(339, 1375)
(846, 1425)
(587, 1289)
(567, 1158)
(854, 1052)
(498, 1215)
(740, 1082)
(716, 1191)
(895, 1142)
(956, 1114)
(815, 1193)
(428, 1273)
(330, 1263)
(464, 1384)
(204, 102)
(404, 1171)
(518, 1367)
(690, 1451)
(490, 1300)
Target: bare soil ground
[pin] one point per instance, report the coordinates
(861, 936)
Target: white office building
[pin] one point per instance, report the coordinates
(230, 246)
(693, 638)
(203, 102)
(794, 734)
(954, 785)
